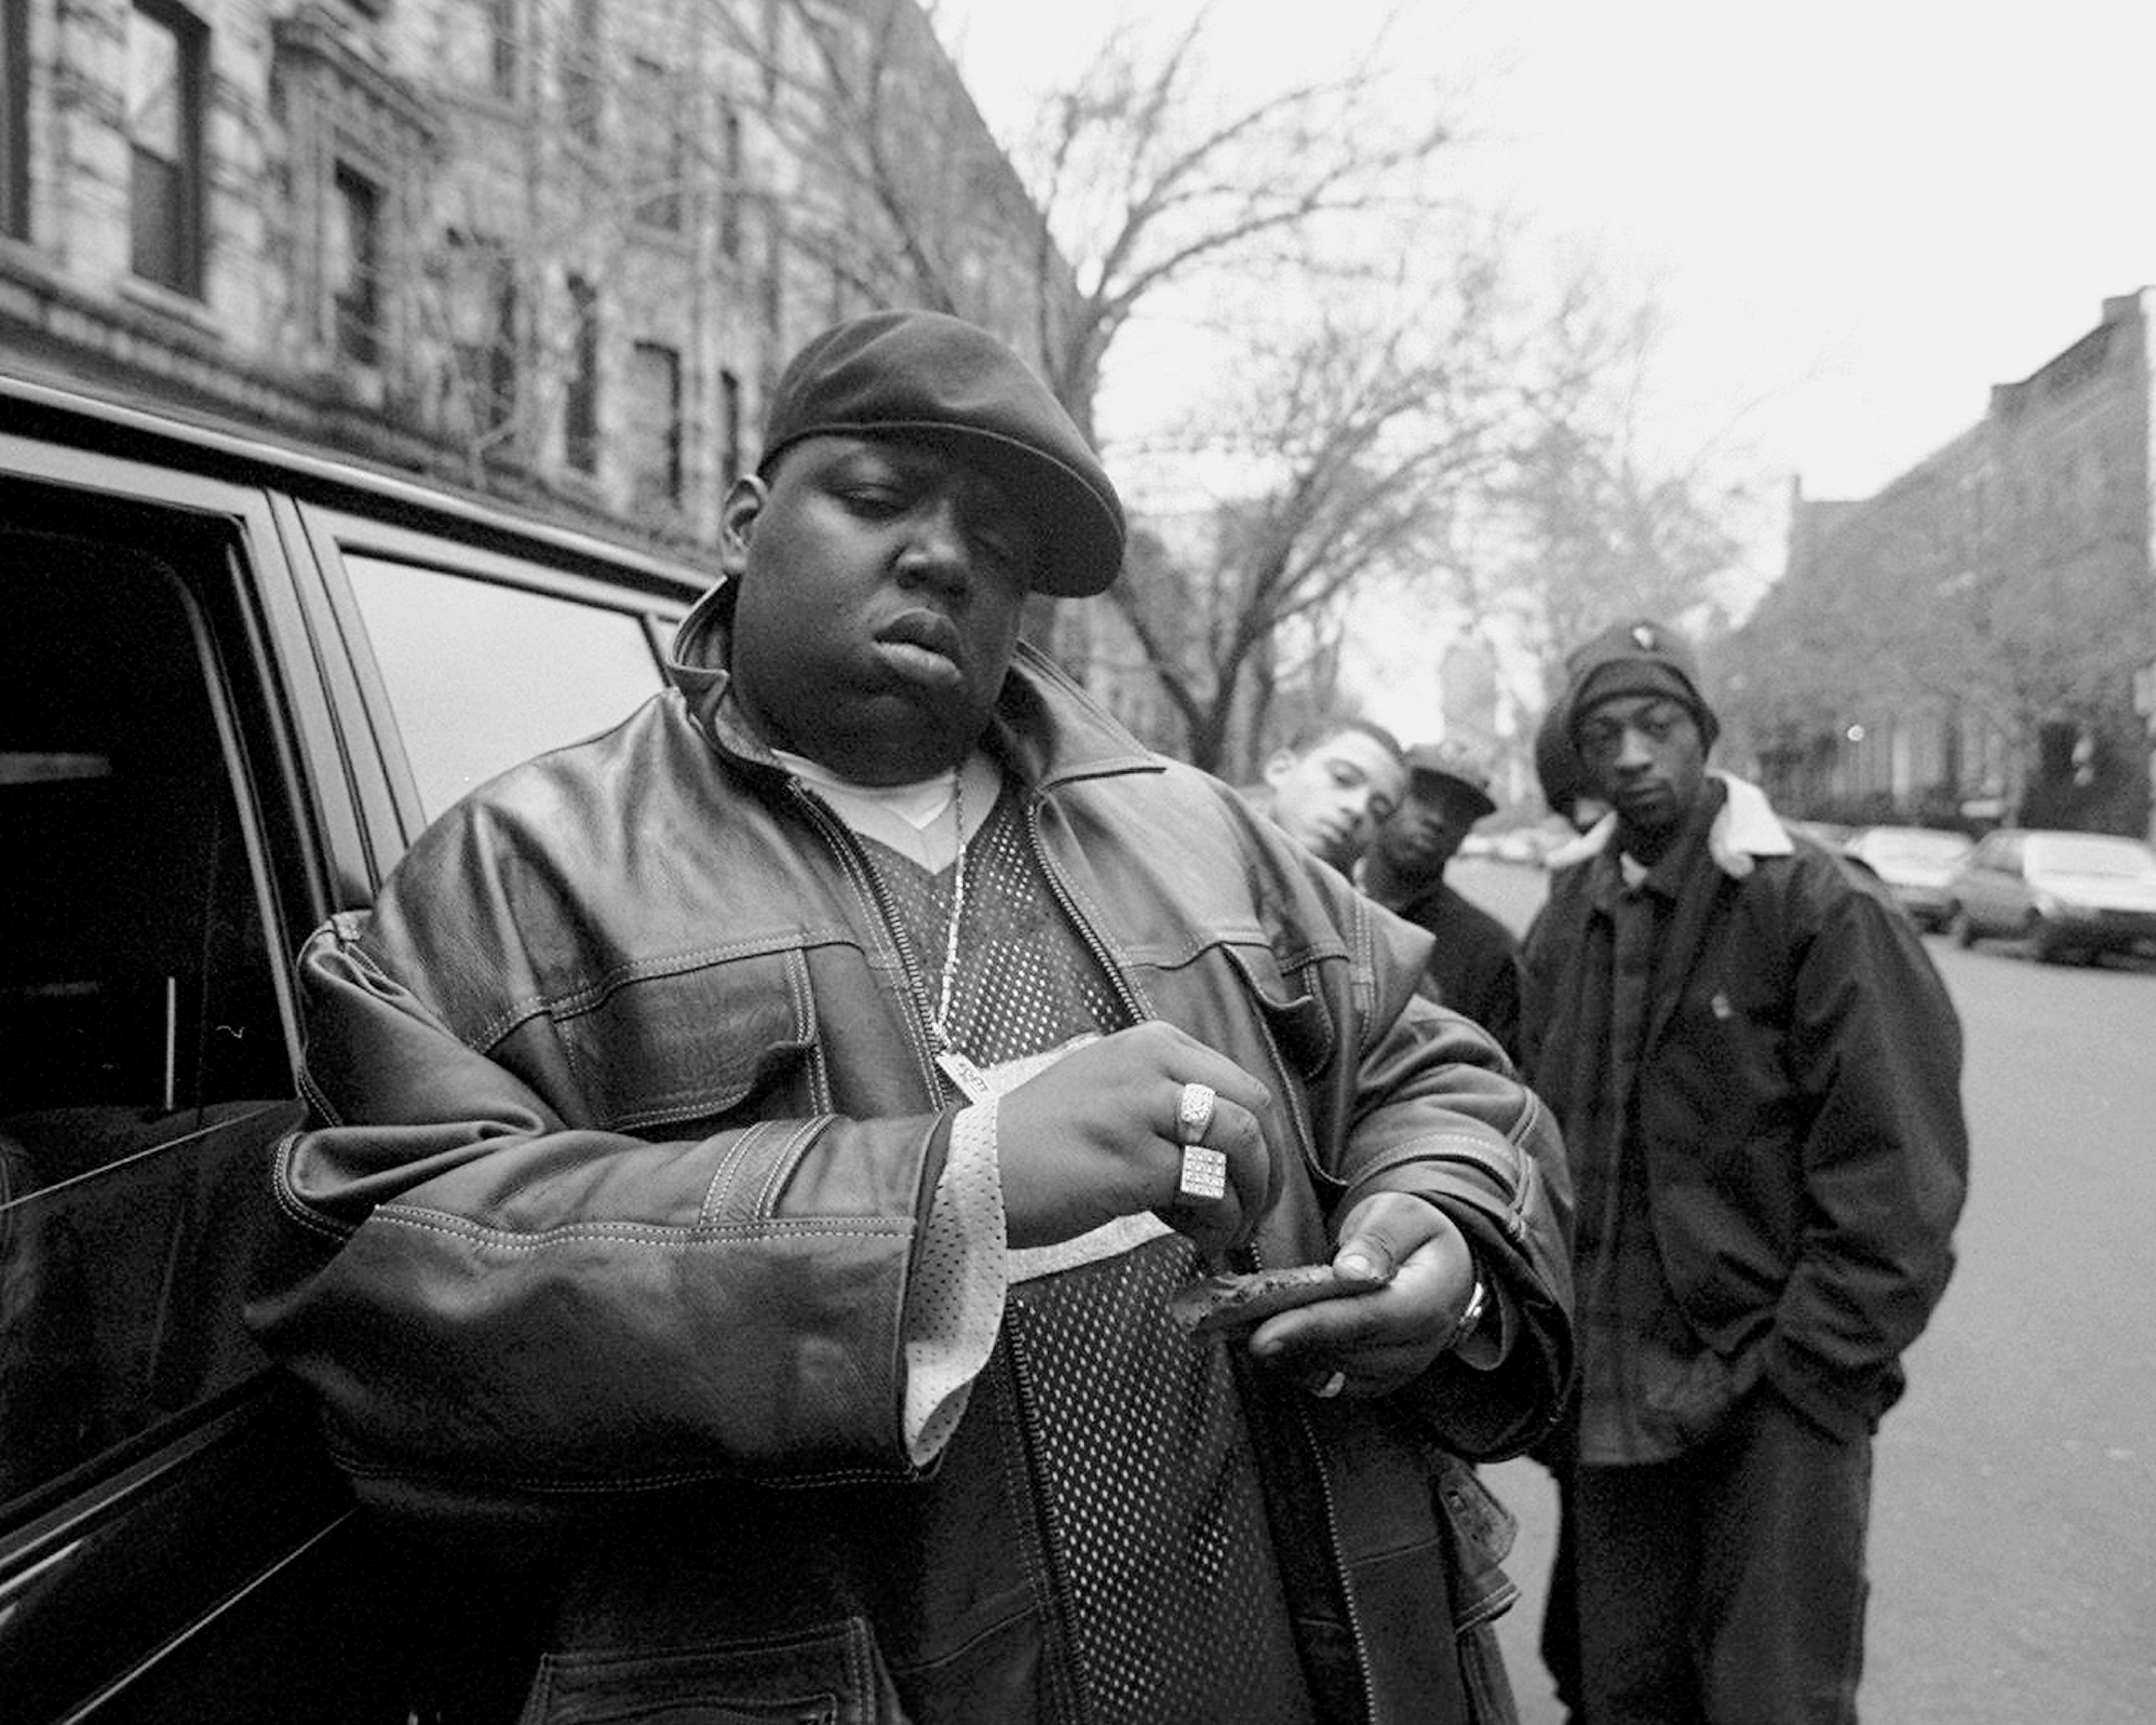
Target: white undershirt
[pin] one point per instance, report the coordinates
(908, 818)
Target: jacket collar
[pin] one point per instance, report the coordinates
(1046, 730)
(1745, 829)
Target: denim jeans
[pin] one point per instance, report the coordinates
(1726, 1587)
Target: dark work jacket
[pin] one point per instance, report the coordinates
(1798, 1103)
(625, 1119)
(1474, 959)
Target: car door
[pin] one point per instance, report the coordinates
(171, 1543)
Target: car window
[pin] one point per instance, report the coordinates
(140, 1022)
(482, 675)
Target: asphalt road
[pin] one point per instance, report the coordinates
(2014, 1522)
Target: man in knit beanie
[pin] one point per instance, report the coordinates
(1757, 1072)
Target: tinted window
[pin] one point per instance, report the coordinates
(141, 1028)
(482, 675)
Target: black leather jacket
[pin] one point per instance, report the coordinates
(624, 1127)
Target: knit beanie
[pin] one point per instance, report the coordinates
(1635, 658)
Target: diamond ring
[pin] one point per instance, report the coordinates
(1204, 1173)
(1193, 1113)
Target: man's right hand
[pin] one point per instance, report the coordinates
(1094, 1137)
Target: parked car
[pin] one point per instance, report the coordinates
(1917, 864)
(2069, 895)
(1531, 845)
(1830, 836)
(235, 682)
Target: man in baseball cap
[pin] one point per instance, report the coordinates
(812, 1093)
(1757, 1071)
(1475, 962)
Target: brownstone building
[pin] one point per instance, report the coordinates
(1978, 641)
(555, 248)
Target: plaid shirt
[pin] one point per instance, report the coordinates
(1649, 1389)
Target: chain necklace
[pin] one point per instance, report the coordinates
(972, 1081)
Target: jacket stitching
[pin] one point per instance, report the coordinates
(785, 1160)
(595, 993)
(578, 1002)
(280, 1187)
(723, 1178)
(1452, 1147)
(650, 1233)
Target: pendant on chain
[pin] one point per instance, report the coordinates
(972, 1081)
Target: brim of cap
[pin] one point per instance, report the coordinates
(1081, 533)
(1485, 804)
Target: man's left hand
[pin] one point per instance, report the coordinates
(1374, 1342)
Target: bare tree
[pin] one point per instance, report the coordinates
(1585, 523)
(1148, 180)
(1346, 454)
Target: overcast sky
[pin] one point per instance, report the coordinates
(1856, 217)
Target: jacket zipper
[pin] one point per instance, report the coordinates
(1126, 993)
(869, 885)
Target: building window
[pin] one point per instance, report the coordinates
(482, 283)
(353, 265)
(504, 62)
(165, 60)
(15, 120)
(657, 151)
(580, 418)
(499, 370)
(730, 180)
(653, 440)
(730, 430)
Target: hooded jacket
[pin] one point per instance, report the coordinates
(625, 1123)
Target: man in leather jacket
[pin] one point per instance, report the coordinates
(754, 1152)
(1758, 1072)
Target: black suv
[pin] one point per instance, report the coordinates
(235, 682)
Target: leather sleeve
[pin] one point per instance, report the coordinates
(1440, 1112)
(467, 1277)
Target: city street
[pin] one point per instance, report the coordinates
(2014, 1512)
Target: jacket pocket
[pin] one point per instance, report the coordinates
(1301, 1024)
(828, 1676)
(697, 1039)
(1482, 1530)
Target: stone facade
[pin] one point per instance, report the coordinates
(1964, 646)
(553, 249)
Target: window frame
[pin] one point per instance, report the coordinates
(15, 121)
(648, 594)
(188, 195)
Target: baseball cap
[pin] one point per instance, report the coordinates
(1459, 765)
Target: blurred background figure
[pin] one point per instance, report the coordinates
(1475, 963)
(1331, 785)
